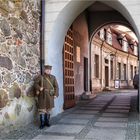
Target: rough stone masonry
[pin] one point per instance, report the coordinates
(19, 60)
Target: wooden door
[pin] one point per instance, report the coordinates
(68, 58)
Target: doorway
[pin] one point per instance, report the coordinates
(106, 76)
(85, 74)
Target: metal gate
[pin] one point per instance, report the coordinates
(68, 58)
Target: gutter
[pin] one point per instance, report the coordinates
(101, 57)
(127, 69)
(115, 65)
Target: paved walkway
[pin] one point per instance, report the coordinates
(110, 116)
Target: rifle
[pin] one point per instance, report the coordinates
(42, 85)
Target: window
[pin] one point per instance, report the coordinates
(102, 34)
(135, 50)
(109, 37)
(125, 44)
(131, 71)
(111, 69)
(105, 34)
(131, 46)
(124, 71)
(120, 41)
(119, 70)
(106, 61)
(96, 66)
(120, 38)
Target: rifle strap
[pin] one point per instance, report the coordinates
(50, 83)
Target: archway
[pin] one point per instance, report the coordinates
(62, 23)
(112, 47)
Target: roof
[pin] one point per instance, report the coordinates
(124, 34)
(115, 43)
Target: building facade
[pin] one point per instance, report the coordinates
(114, 59)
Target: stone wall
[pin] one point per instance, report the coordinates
(19, 60)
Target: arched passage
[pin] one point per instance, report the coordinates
(62, 23)
(125, 24)
(113, 47)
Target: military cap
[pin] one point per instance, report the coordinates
(48, 67)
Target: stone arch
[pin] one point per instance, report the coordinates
(59, 29)
(126, 24)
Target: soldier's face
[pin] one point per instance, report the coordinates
(47, 71)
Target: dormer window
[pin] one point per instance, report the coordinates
(109, 37)
(131, 45)
(135, 49)
(125, 44)
(102, 34)
(120, 38)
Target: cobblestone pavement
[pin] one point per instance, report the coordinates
(109, 116)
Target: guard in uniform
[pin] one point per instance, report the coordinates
(46, 91)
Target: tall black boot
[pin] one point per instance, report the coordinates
(42, 121)
(47, 119)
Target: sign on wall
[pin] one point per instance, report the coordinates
(78, 53)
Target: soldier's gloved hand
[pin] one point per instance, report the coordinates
(41, 89)
(55, 97)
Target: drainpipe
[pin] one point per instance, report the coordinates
(115, 66)
(101, 53)
(42, 27)
(90, 73)
(127, 70)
